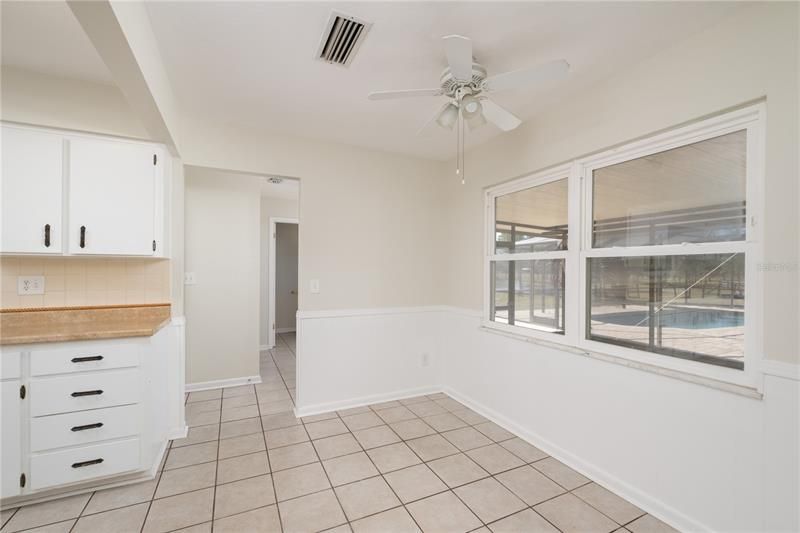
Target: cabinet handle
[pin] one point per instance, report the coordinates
(87, 358)
(87, 463)
(83, 236)
(87, 393)
(87, 426)
(47, 235)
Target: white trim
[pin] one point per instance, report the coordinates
(263, 347)
(339, 313)
(285, 330)
(271, 274)
(780, 369)
(321, 408)
(222, 383)
(178, 433)
(638, 498)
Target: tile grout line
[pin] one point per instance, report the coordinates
(321, 465)
(264, 438)
(159, 475)
(216, 466)
(381, 474)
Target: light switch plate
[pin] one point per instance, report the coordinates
(313, 286)
(30, 285)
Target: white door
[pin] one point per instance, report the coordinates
(11, 439)
(111, 197)
(32, 172)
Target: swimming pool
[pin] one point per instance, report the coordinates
(680, 317)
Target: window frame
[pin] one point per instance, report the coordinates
(750, 118)
(561, 172)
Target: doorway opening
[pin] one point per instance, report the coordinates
(284, 233)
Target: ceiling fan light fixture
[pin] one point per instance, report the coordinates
(448, 117)
(476, 121)
(470, 107)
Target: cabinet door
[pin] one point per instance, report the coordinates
(111, 197)
(11, 439)
(32, 172)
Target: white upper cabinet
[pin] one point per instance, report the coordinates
(74, 193)
(31, 191)
(112, 197)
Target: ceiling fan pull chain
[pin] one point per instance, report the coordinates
(462, 150)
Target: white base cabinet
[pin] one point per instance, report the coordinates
(11, 438)
(89, 411)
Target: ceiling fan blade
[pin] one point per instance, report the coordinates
(499, 116)
(405, 93)
(428, 126)
(458, 50)
(552, 71)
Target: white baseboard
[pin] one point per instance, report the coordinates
(178, 433)
(318, 409)
(645, 502)
(265, 347)
(284, 330)
(220, 383)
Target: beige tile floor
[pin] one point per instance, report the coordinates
(425, 463)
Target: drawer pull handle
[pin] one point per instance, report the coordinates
(87, 358)
(88, 426)
(87, 393)
(87, 463)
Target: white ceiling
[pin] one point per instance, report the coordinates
(253, 64)
(45, 37)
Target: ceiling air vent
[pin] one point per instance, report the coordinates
(342, 36)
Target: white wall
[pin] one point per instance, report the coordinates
(355, 357)
(371, 247)
(270, 207)
(222, 248)
(285, 277)
(43, 100)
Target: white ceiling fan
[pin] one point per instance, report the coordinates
(466, 85)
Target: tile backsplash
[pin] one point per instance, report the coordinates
(85, 281)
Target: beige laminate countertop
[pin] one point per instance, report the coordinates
(30, 326)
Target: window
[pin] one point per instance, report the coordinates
(645, 252)
(530, 244)
(688, 306)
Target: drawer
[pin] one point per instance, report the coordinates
(81, 464)
(83, 356)
(10, 363)
(84, 427)
(67, 394)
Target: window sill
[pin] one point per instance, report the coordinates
(688, 377)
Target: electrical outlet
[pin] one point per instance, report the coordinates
(426, 359)
(30, 285)
(313, 286)
(189, 278)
